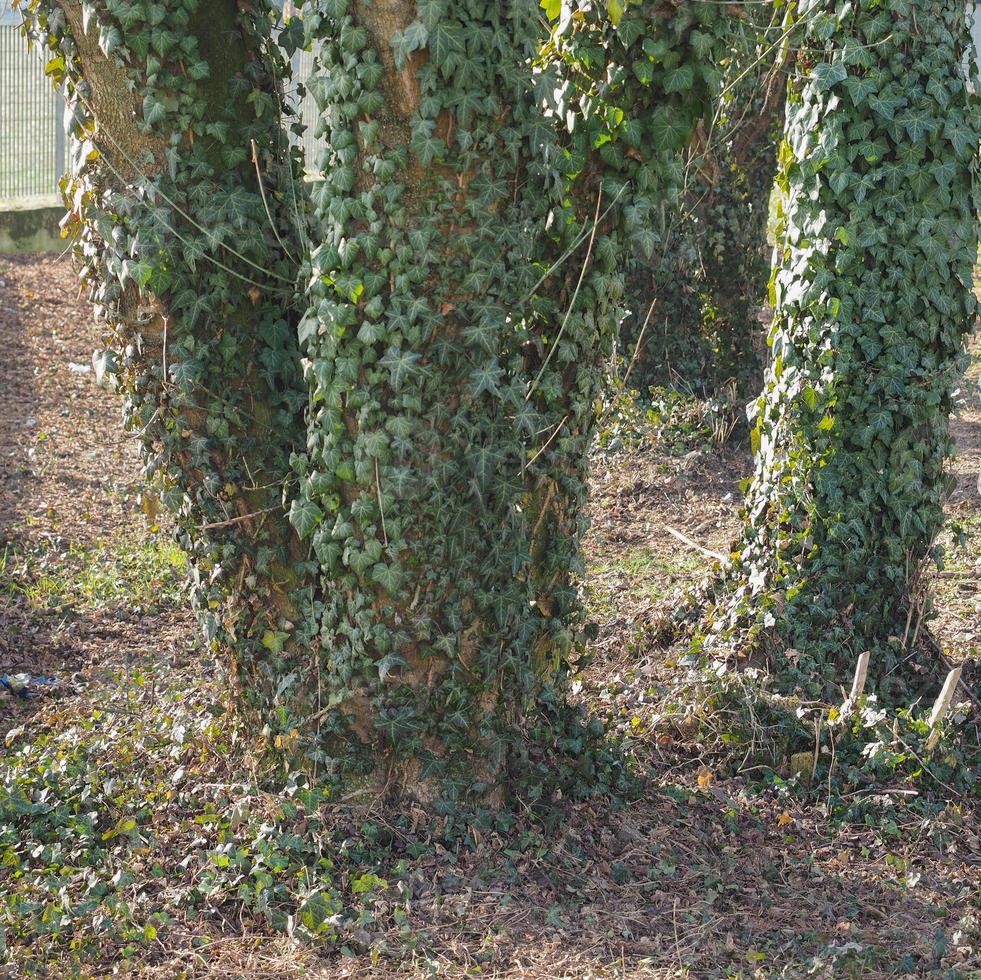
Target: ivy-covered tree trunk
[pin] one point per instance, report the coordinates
(873, 295)
(694, 302)
(369, 396)
(451, 371)
(385, 533)
(180, 199)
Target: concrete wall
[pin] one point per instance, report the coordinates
(31, 226)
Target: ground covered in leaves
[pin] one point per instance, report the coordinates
(139, 833)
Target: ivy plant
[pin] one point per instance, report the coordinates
(693, 303)
(877, 241)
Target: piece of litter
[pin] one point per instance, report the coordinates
(21, 684)
(16, 683)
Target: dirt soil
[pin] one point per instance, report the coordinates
(69, 484)
(702, 878)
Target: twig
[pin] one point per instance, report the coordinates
(677, 941)
(265, 203)
(580, 238)
(548, 442)
(640, 338)
(694, 544)
(575, 295)
(235, 520)
(381, 506)
(817, 745)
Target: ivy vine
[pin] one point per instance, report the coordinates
(878, 236)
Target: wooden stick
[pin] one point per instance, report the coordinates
(548, 442)
(861, 672)
(694, 544)
(942, 705)
(235, 520)
(378, 487)
(643, 329)
(967, 692)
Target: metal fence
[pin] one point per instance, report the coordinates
(307, 107)
(974, 14)
(32, 135)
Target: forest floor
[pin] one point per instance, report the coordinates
(135, 838)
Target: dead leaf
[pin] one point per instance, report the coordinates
(150, 505)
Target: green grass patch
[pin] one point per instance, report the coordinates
(127, 571)
(646, 562)
(644, 574)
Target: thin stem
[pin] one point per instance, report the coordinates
(572, 302)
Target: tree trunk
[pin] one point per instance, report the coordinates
(173, 118)
(412, 622)
(451, 391)
(874, 297)
(693, 322)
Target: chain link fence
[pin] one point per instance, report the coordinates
(974, 13)
(307, 108)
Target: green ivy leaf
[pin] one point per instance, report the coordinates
(552, 8)
(110, 39)
(274, 641)
(679, 79)
(486, 378)
(860, 88)
(827, 75)
(669, 128)
(388, 576)
(390, 663)
(305, 516)
(153, 111)
(400, 364)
